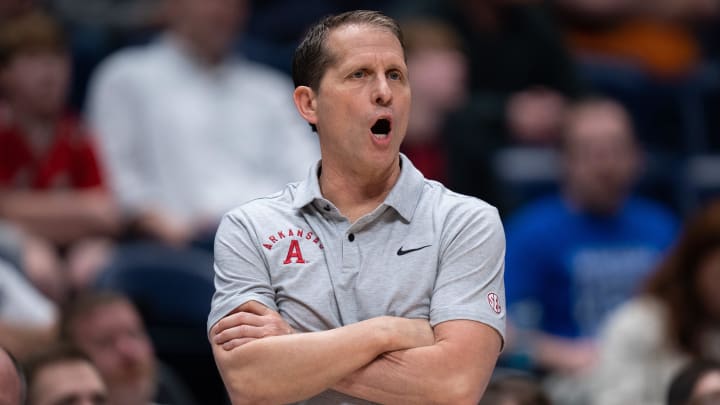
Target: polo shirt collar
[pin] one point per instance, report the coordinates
(309, 189)
(403, 197)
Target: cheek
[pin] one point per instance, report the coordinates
(106, 360)
(335, 116)
(21, 83)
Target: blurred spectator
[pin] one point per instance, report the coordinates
(438, 73)
(276, 26)
(8, 10)
(649, 339)
(12, 382)
(520, 78)
(190, 131)
(50, 180)
(648, 55)
(107, 327)
(655, 36)
(514, 390)
(11, 8)
(122, 15)
(62, 375)
(573, 257)
(697, 382)
(99, 27)
(27, 318)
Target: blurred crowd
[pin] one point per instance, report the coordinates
(129, 127)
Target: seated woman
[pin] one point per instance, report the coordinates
(648, 340)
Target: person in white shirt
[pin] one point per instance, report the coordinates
(189, 130)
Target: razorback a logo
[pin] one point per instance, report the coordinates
(291, 233)
(294, 252)
(292, 238)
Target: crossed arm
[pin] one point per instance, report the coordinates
(384, 359)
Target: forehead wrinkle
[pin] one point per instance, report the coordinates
(351, 52)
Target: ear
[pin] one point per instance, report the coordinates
(306, 103)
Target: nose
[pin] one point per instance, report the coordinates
(382, 94)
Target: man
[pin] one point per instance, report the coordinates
(573, 257)
(108, 328)
(12, 386)
(51, 183)
(365, 282)
(189, 130)
(63, 375)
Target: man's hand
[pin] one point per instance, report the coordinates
(566, 355)
(168, 229)
(248, 322)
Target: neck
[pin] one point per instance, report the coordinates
(606, 207)
(356, 192)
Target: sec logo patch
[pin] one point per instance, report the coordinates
(494, 302)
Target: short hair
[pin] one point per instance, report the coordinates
(589, 102)
(312, 58)
(84, 304)
(30, 32)
(427, 33)
(51, 355)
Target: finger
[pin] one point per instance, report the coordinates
(239, 318)
(236, 343)
(256, 308)
(239, 332)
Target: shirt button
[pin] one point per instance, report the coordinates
(351, 237)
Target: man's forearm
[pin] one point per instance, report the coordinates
(289, 368)
(455, 370)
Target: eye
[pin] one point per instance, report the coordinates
(358, 74)
(395, 75)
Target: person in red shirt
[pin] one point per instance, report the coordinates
(51, 184)
(439, 71)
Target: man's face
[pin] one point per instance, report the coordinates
(114, 337)
(601, 157)
(37, 82)
(367, 84)
(74, 382)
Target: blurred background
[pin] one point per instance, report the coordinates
(128, 127)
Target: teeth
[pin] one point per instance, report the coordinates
(380, 136)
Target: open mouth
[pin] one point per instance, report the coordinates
(381, 128)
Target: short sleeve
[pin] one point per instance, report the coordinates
(469, 283)
(241, 273)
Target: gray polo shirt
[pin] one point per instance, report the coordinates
(425, 252)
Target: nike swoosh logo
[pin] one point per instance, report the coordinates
(401, 252)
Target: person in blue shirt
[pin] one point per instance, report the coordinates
(573, 257)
